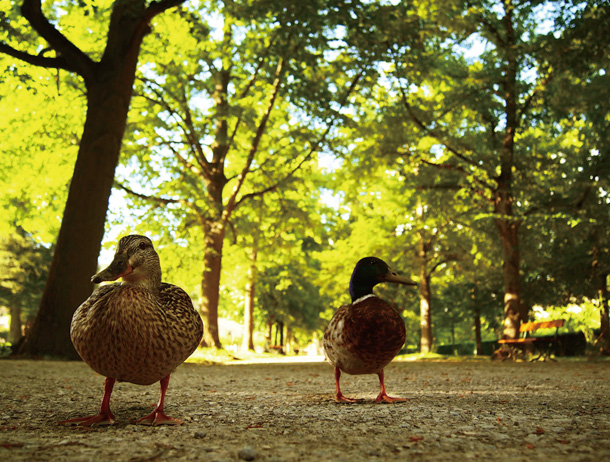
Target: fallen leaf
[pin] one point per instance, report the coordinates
(539, 431)
(529, 446)
(417, 439)
(11, 445)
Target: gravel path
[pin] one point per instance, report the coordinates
(285, 412)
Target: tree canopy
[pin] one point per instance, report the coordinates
(266, 147)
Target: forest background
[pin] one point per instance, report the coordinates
(266, 146)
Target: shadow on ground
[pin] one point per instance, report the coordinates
(285, 412)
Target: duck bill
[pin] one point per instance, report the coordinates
(398, 279)
(118, 268)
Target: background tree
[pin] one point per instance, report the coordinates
(216, 118)
(23, 270)
(475, 115)
(577, 65)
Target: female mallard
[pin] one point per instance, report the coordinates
(138, 331)
(362, 338)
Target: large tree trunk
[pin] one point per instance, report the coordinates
(109, 85)
(82, 228)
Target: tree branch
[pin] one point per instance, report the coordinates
(158, 200)
(186, 126)
(458, 168)
(312, 150)
(256, 141)
(424, 127)
(160, 6)
(79, 61)
(36, 60)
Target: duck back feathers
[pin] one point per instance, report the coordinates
(362, 338)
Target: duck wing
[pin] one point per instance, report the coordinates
(363, 338)
(185, 327)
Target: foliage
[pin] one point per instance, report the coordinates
(23, 270)
(40, 130)
(386, 134)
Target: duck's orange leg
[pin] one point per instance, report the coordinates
(383, 396)
(339, 396)
(104, 417)
(158, 417)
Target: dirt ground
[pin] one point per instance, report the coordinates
(513, 411)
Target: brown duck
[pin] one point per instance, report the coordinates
(362, 338)
(136, 331)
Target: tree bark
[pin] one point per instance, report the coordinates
(14, 332)
(82, 228)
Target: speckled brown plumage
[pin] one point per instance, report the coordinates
(136, 335)
(364, 337)
(137, 331)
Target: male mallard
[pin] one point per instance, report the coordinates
(362, 338)
(137, 331)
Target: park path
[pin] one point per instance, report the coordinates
(285, 412)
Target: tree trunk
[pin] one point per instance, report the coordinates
(289, 347)
(248, 343)
(279, 330)
(14, 332)
(477, 331)
(426, 315)
(269, 336)
(453, 337)
(82, 228)
(515, 311)
(425, 298)
(604, 315)
(109, 85)
(210, 284)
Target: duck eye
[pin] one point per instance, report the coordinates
(143, 245)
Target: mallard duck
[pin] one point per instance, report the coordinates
(136, 331)
(362, 338)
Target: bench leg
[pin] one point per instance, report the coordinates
(545, 353)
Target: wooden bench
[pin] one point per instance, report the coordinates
(542, 345)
